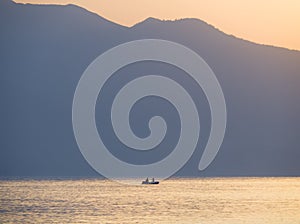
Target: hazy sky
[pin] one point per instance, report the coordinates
(273, 22)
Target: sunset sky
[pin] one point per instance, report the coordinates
(269, 22)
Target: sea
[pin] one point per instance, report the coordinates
(181, 200)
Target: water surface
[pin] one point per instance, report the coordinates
(205, 200)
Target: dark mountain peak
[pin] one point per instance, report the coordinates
(192, 21)
(150, 20)
(96, 17)
(186, 23)
(53, 12)
(199, 28)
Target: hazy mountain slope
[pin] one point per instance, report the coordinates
(45, 49)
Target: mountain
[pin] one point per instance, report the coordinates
(44, 49)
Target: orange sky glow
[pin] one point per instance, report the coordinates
(269, 22)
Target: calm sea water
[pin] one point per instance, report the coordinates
(208, 200)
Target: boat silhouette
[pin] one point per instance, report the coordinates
(150, 182)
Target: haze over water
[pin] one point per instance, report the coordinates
(208, 200)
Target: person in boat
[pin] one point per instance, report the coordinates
(152, 179)
(147, 180)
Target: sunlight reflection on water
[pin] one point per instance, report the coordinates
(206, 200)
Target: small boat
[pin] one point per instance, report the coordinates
(150, 182)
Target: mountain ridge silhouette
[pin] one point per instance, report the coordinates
(46, 48)
(147, 20)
